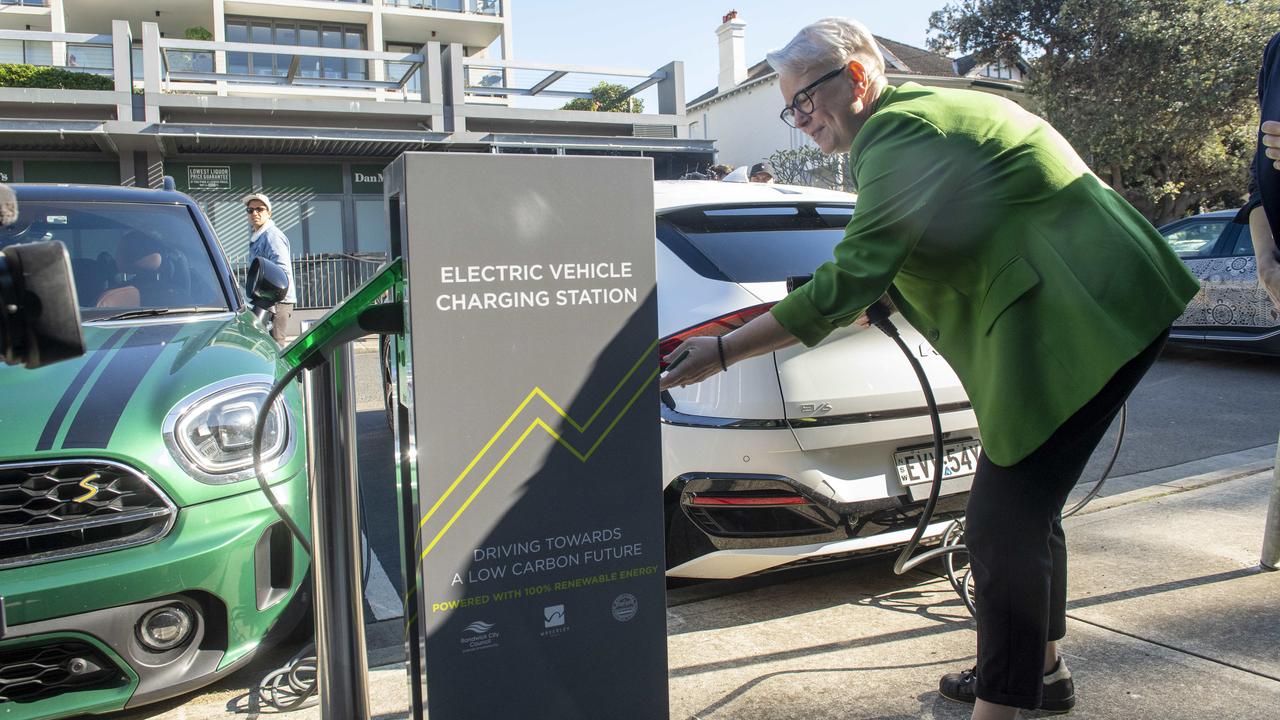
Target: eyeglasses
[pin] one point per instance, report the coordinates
(252, 210)
(802, 101)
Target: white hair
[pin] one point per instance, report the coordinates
(828, 44)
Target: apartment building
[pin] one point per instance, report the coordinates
(306, 100)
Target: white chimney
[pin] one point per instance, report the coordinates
(733, 52)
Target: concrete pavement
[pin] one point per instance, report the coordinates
(1170, 617)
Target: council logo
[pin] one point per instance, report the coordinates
(479, 635)
(625, 607)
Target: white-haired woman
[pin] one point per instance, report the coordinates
(1048, 294)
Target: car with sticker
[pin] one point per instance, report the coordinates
(138, 558)
(1232, 311)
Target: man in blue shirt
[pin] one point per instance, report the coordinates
(269, 243)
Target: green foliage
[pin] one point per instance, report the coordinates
(1158, 96)
(607, 97)
(806, 165)
(197, 33)
(35, 76)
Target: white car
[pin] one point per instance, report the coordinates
(802, 455)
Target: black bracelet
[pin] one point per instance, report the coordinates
(720, 347)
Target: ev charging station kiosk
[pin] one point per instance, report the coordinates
(528, 446)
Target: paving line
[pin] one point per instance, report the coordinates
(1174, 648)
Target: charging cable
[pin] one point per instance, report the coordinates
(288, 687)
(953, 535)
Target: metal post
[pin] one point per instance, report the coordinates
(341, 665)
(1271, 537)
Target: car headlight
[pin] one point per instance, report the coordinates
(210, 432)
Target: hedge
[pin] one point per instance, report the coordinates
(35, 76)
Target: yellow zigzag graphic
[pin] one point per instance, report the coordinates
(538, 422)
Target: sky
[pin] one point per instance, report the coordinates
(647, 35)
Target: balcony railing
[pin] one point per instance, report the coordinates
(477, 7)
(197, 61)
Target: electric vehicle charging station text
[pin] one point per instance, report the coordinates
(530, 434)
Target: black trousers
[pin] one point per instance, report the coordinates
(1017, 549)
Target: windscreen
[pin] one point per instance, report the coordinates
(759, 243)
(125, 256)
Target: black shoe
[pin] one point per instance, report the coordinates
(1059, 688)
(959, 686)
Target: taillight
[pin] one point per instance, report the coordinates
(711, 328)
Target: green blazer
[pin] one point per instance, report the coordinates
(1034, 280)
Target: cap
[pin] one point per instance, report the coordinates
(760, 168)
(256, 196)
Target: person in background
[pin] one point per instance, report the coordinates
(1047, 293)
(1263, 209)
(269, 243)
(760, 173)
(1263, 213)
(719, 171)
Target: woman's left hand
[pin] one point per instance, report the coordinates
(1271, 139)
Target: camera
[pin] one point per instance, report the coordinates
(39, 312)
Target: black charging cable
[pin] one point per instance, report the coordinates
(288, 687)
(952, 537)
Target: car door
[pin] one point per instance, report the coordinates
(1196, 241)
(1237, 302)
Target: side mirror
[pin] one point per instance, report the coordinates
(39, 311)
(267, 284)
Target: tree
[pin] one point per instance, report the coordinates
(1157, 96)
(607, 97)
(806, 165)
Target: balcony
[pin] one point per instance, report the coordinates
(194, 96)
(22, 14)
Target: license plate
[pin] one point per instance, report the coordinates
(915, 466)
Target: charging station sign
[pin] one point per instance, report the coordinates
(532, 328)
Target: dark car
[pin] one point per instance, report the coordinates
(138, 558)
(1231, 311)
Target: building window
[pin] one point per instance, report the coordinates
(1000, 70)
(26, 52)
(372, 233)
(396, 70)
(298, 33)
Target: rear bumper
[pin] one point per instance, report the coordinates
(727, 564)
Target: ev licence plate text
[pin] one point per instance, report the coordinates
(916, 466)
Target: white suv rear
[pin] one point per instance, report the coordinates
(801, 455)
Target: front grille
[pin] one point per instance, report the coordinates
(36, 672)
(59, 509)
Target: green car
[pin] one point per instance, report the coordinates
(138, 558)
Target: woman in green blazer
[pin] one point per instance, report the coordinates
(1048, 294)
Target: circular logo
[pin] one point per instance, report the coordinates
(625, 607)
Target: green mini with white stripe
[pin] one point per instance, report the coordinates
(138, 559)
